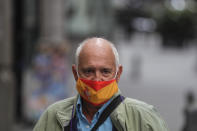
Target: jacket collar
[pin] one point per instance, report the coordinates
(64, 116)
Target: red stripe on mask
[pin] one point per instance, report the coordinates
(97, 85)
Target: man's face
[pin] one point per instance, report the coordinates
(97, 66)
(97, 63)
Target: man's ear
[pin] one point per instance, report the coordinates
(74, 70)
(120, 68)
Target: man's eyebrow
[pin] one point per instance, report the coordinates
(106, 68)
(87, 68)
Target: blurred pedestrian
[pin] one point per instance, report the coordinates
(190, 113)
(50, 73)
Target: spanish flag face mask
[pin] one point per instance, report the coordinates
(96, 92)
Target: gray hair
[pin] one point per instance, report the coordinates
(80, 46)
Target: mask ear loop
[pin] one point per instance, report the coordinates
(77, 72)
(116, 74)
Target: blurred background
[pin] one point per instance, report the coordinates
(156, 40)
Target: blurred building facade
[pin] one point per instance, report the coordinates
(39, 37)
(6, 75)
(24, 24)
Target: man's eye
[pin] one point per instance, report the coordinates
(88, 71)
(106, 71)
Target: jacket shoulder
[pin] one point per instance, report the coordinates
(135, 114)
(61, 105)
(56, 115)
(137, 104)
(146, 112)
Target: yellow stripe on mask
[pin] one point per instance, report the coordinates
(96, 97)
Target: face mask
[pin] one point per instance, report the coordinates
(96, 92)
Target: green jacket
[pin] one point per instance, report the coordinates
(130, 115)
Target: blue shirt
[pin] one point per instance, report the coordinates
(84, 125)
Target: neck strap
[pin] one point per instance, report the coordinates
(108, 110)
(105, 114)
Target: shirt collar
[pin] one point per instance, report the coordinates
(98, 113)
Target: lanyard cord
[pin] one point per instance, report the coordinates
(71, 123)
(108, 110)
(103, 116)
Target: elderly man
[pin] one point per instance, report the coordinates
(99, 104)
